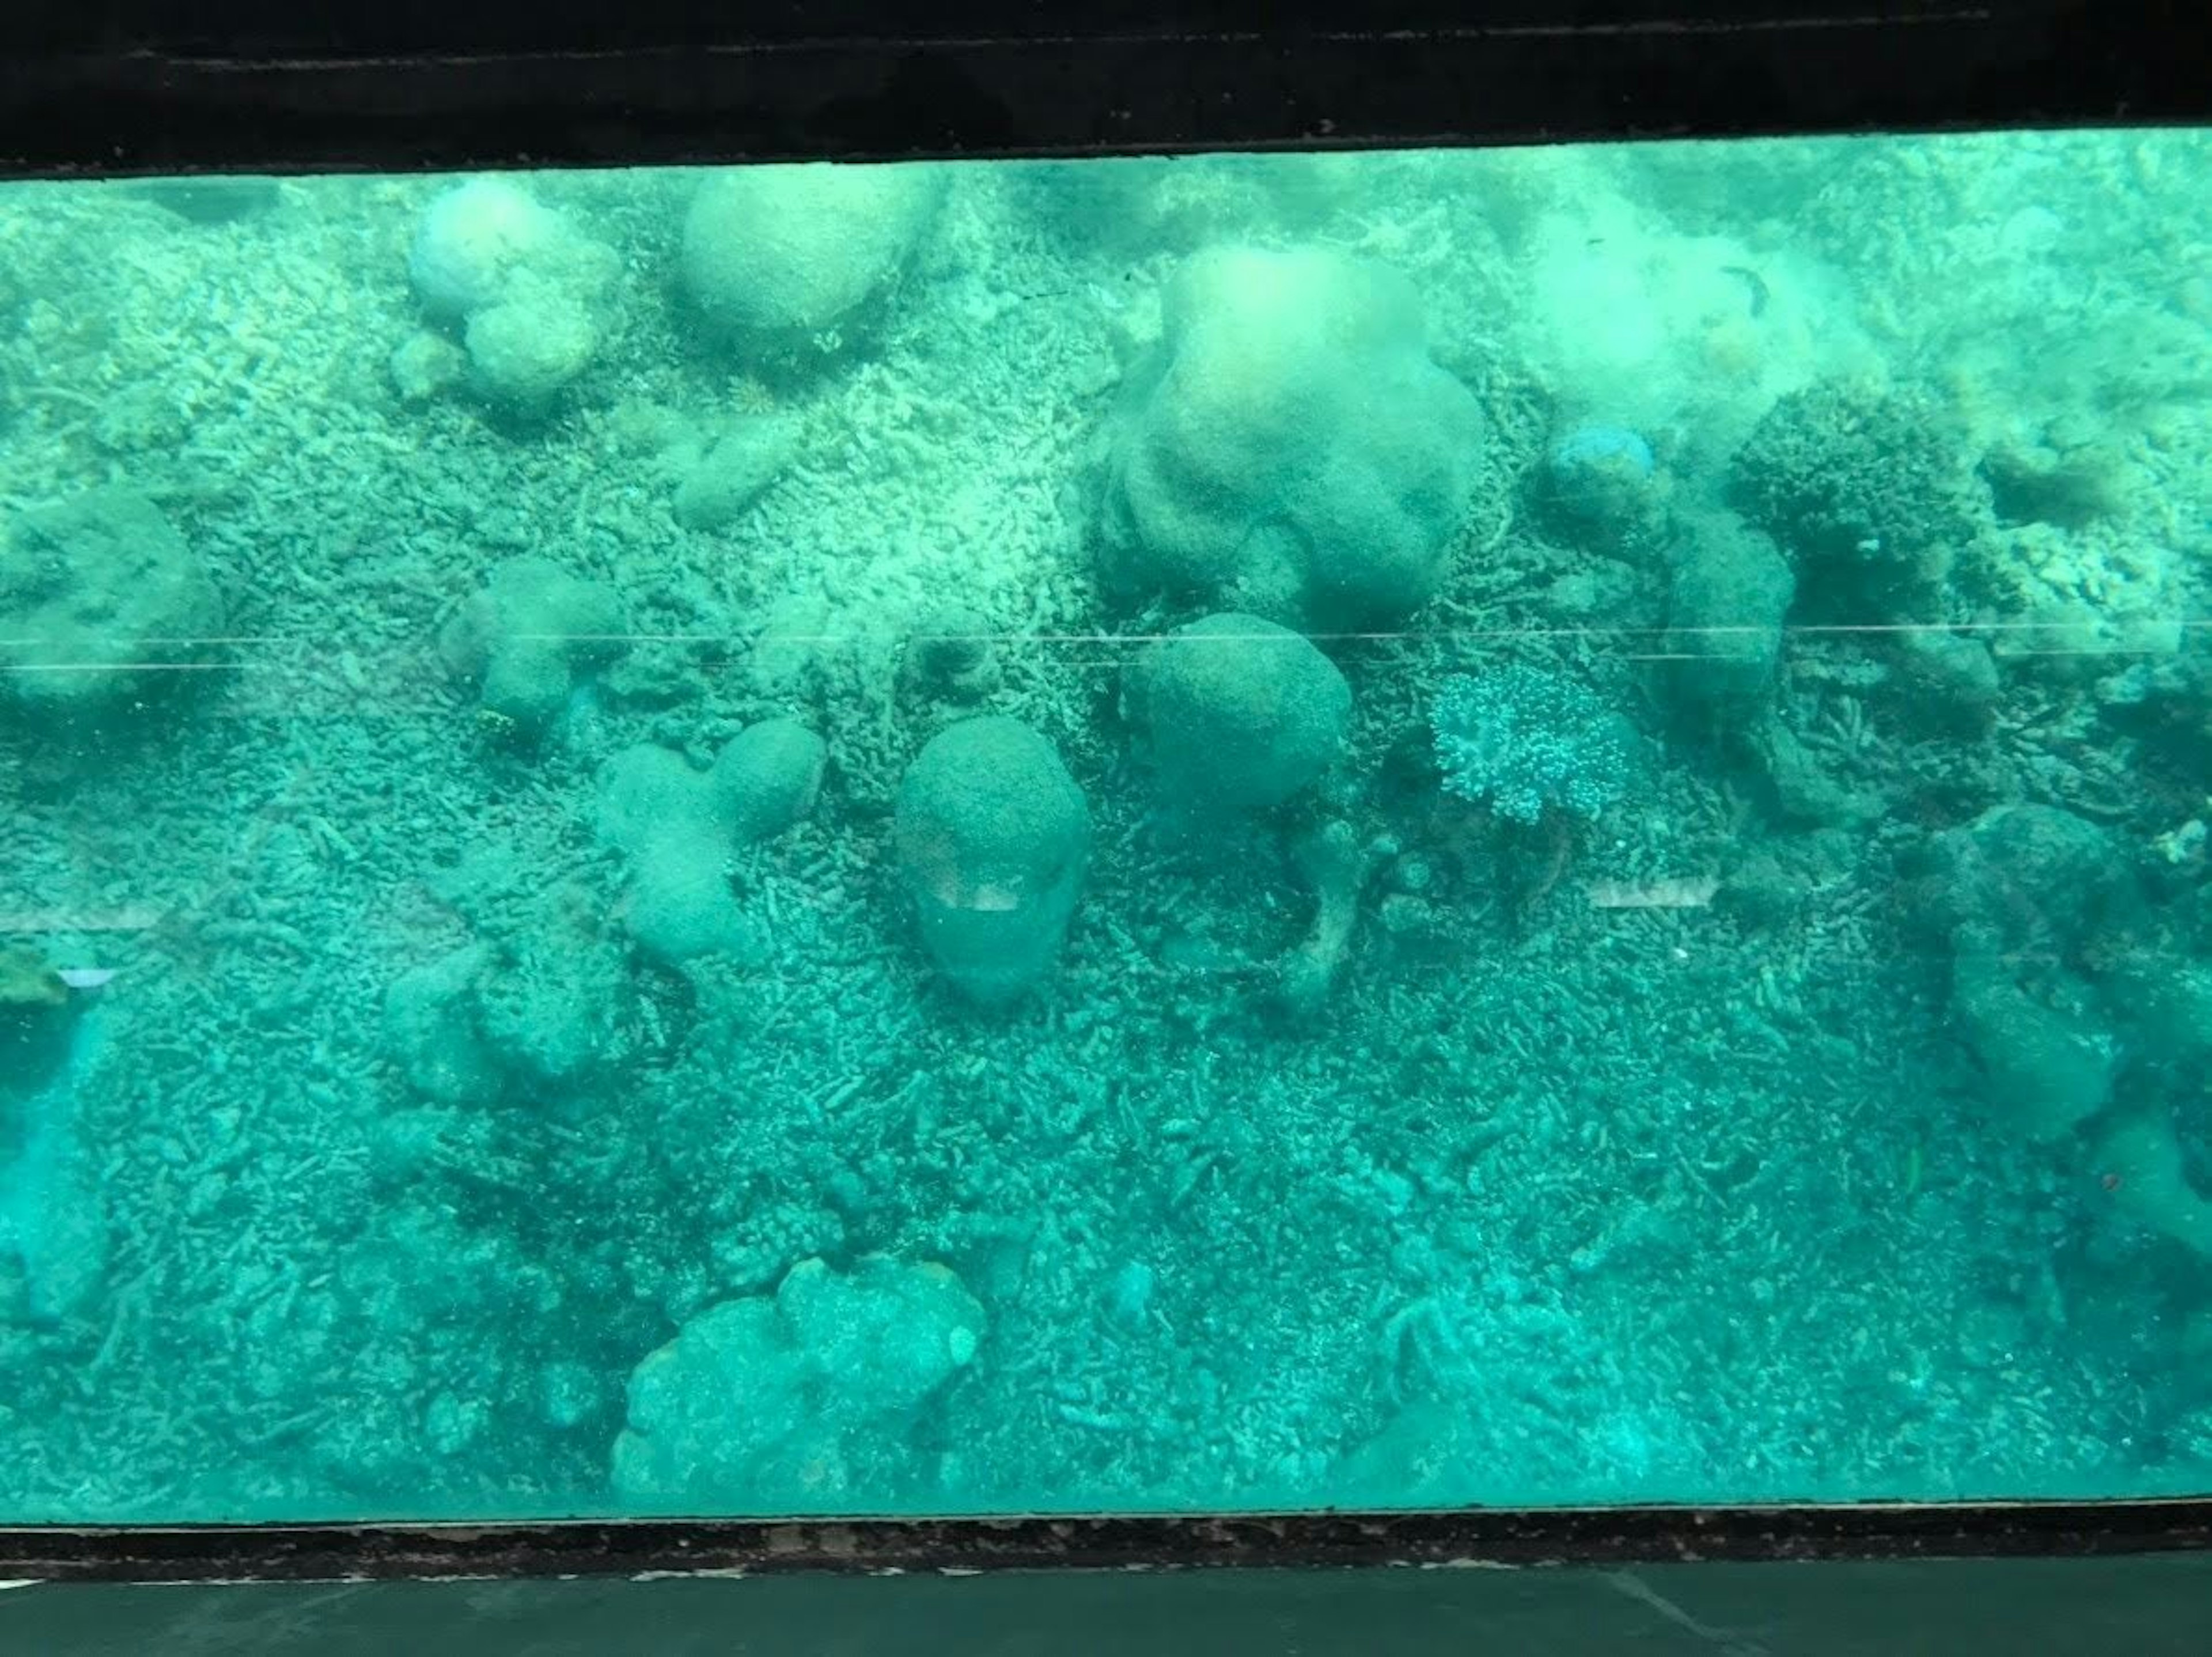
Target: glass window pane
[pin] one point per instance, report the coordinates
(1243, 831)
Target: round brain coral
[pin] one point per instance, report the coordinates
(1241, 713)
(991, 835)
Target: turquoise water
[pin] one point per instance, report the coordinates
(1237, 833)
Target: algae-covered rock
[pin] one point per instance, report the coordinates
(953, 653)
(426, 365)
(212, 198)
(554, 1003)
(524, 351)
(2145, 1171)
(767, 779)
(1336, 868)
(2044, 917)
(1950, 681)
(1239, 713)
(2040, 880)
(1288, 448)
(104, 608)
(653, 806)
(432, 1033)
(801, 1401)
(991, 836)
(2050, 1057)
(35, 1015)
(783, 254)
(541, 1004)
(527, 638)
(1601, 483)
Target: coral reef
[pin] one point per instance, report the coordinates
(1692, 981)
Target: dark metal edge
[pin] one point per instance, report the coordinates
(349, 89)
(1552, 1537)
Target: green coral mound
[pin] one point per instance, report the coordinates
(991, 836)
(802, 1400)
(1241, 714)
(680, 827)
(1289, 446)
(103, 606)
(528, 639)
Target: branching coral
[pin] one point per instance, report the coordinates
(1526, 741)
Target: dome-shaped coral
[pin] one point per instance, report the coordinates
(991, 835)
(1290, 446)
(1240, 713)
(794, 250)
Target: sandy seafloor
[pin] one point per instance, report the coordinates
(1554, 1202)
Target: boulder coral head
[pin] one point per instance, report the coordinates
(991, 836)
(795, 254)
(104, 608)
(522, 286)
(1241, 714)
(1290, 448)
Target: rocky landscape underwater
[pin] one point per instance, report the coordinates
(1368, 829)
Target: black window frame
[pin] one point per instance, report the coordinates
(143, 86)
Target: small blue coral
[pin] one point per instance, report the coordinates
(1590, 447)
(1602, 484)
(1524, 740)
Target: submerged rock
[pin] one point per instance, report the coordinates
(799, 1400)
(733, 474)
(36, 1013)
